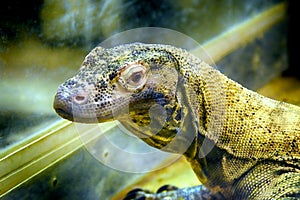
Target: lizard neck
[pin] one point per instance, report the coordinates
(230, 115)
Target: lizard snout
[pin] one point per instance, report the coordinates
(63, 104)
(70, 104)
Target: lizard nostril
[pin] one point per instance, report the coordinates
(80, 98)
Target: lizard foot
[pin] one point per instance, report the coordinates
(169, 192)
(140, 194)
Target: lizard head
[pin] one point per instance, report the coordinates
(135, 84)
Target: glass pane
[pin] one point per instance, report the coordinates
(44, 46)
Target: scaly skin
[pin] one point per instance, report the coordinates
(240, 144)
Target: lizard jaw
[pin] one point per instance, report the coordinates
(92, 119)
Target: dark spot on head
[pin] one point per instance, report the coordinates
(71, 82)
(112, 76)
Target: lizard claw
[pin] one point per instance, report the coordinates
(166, 188)
(137, 194)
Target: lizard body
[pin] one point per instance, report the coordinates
(240, 144)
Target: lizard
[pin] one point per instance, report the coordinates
(239, 143)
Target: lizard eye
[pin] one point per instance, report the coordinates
(136, 77)
(133, 77)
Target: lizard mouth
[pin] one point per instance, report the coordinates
(64, 114)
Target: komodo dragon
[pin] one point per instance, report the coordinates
(240, 144)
